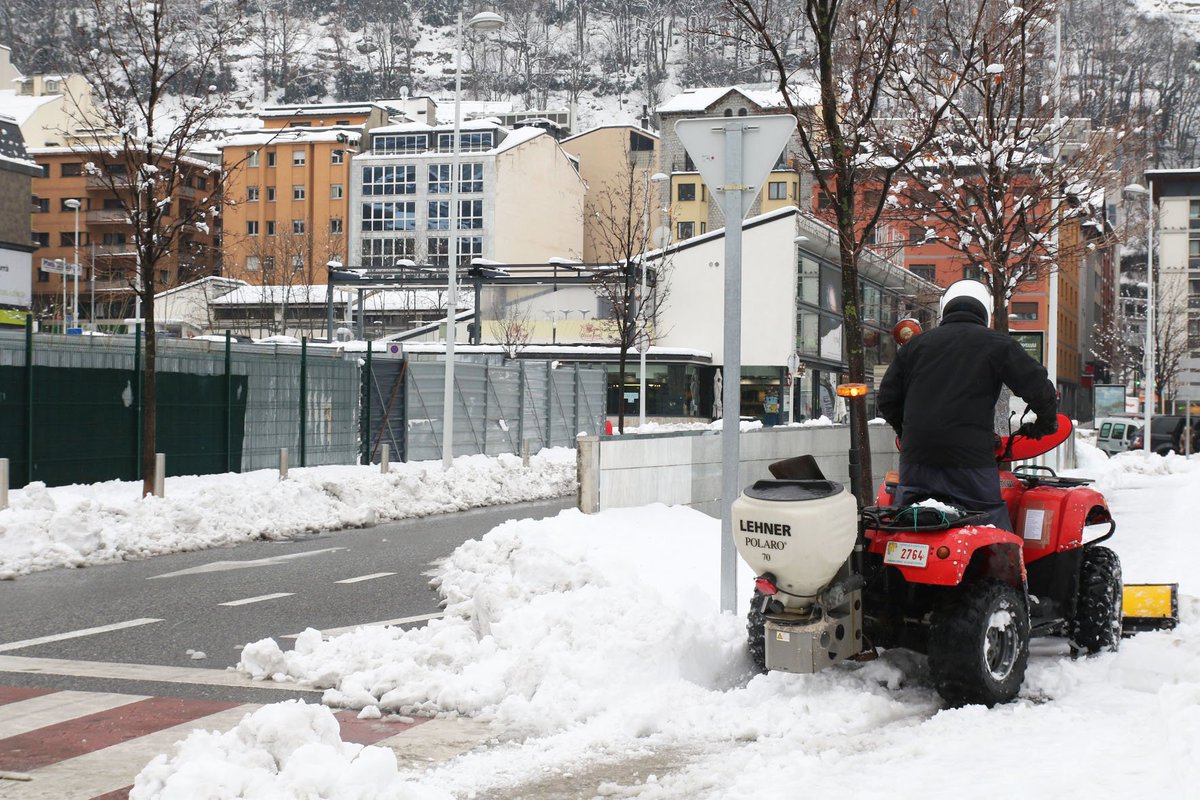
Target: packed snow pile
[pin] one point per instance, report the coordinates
(593, 644)
(74, 526)
(284, 750)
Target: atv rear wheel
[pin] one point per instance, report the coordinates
(979, 644)
(1097, 623)
(756, 632)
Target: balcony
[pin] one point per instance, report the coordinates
(108, 216)
(114, 250)
(104, 182)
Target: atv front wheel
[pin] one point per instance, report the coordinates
(1097, 623)
(756, 632)
(979, 644)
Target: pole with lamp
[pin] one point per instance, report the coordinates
(1148, 384)
(74, 205)
(484, 21)
(639, 320)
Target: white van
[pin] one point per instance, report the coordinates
(1115, 433)
(167, 328)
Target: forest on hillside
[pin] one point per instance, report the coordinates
(1121, 61)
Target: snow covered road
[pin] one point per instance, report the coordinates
(593, 648)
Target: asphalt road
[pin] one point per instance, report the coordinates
(190, 594)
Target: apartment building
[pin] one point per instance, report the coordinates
(616, 163)
(521, 196)
(692, 210)
(1177, 267)
(16, 175)
(287, 192)
(103, 238)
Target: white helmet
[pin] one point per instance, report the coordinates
(970, 289)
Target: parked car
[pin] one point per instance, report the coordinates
(1113, 435)
(1165, 434)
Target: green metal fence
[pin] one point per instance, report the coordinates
(71, 407)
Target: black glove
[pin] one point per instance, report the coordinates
(1038, 428)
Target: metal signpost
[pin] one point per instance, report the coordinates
(734, 155)
(793, 364)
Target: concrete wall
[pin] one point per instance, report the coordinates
(539, 204)
(685, 468)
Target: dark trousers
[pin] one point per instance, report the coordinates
(973, 488)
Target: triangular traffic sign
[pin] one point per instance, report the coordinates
(763, 139)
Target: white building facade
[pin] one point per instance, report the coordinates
(520, 197)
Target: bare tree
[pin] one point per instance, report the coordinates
(619, 220)
(151, 68)
(510, 325)
(886, 80)
(1012, 169)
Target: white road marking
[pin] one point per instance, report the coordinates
(366, 577)
(386, 622)
(223, 566)
(141, 672)
(115, 767)
(24, 716)
(261, 598)
(58, 637)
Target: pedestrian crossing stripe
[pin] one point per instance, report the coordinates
(74, 745)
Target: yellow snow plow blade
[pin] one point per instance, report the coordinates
(1150, 607)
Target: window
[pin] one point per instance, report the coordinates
(270, 227)
(45, 170)
(41, 204)
(438, 250)
(252, 263)
(1194, 213)
(470, 141)
(384, 252)
(71, 170)
(1118, 430)
(1026, 312)
(925, 271)
(439, 215)
(439, 179)
(270, 194)
(67, 238)
(703, 227)
(41, 239)
(251, 194)
(337, 156)
(686, 230)
(971, 273)
(252, 227)
(335, 225)
(385, 216)
(470, 178)
(113, 238)
(402, 143)
(298, 158)
(389, 180)
(342, 122)
(470, 214)
(297, 263)
(469, 247)
(270, 158)
(297, 192)
(704, 193)
(43, 276)
(50, 87)
(916, 234)
(252, 159)
(297, 226)
(824, 201)
(268, 264)
(777, 190)
(163, 277)
(336, 191)
(686, 191)
(1105, 429)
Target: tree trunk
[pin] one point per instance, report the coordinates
(621, 386)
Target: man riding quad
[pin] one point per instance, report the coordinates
(939, 395)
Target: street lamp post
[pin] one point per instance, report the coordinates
(1148, 384)
(74, 204)
(483, 21)
(643, 343)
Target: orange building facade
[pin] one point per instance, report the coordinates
(105, 239)
(287, 206)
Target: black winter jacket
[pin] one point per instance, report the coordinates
(940, 392)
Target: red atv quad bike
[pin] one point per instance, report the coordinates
(836, 583)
